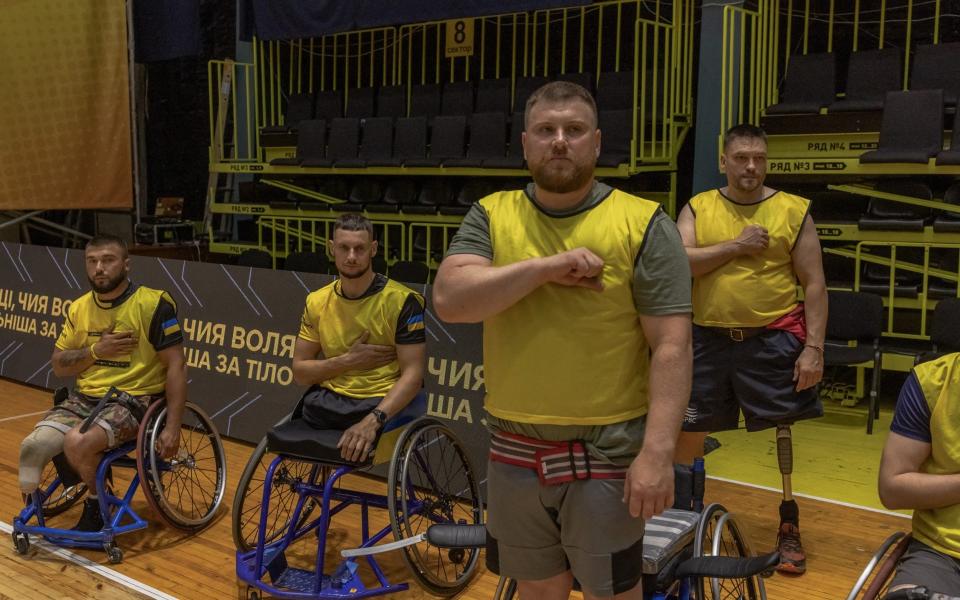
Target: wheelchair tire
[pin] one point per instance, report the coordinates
(432, 481)
(506, 589)
(185, 491)
(718, 535)
(882, 564)
(61, 499)
(249, 497)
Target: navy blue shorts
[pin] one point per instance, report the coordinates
(754, 376)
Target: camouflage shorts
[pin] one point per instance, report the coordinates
(115, 419)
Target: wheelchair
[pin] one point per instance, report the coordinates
(185, 491)
(879, 571)
(291, 489)
(687, 553)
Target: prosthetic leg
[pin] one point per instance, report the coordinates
(792, 558)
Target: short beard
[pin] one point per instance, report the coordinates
(110, 285)
(562, 183)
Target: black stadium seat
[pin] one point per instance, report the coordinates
(584, 80)
(514, 153)
(376, 150)
(616, 127)
(400, 192)
(937, 67)
(615, 90)
(311, 145)
(949, 222)
(446, 142)
(425, 100)
(307, 262)
(344, 143)
(488, 140)
(911, 130)
(360, 102)
(870, 75)
(409, 271)
(328, 105)
(410, 139)
(392, 101)
(299, 108)
(525, 87)
(255, 258)
(951, 156)
(810, 84)
(493, 95)
(457, 99)
(890, 215)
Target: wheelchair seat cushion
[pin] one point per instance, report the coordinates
(298, 439)
(665, 535)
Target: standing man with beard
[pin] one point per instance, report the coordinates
(119, 335)
(584, 295)
(361, 346)
(756, 347)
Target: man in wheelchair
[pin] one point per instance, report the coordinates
(119, 335)
(361, 345)
(920, 470)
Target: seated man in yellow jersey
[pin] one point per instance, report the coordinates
(362, 345)
(920, 470)
(119, 335)
(584, 295)
(756, 348)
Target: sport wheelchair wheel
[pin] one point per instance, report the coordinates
(889, 553)
(432, 481)
(187, 489)
(283, 498)
(62, 498)
(718, 535)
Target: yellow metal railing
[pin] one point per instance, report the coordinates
(885, 254)
(283, 235)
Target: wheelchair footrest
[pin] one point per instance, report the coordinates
(300, 580)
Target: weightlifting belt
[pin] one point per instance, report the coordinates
(554, 462)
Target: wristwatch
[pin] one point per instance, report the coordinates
(380, 415)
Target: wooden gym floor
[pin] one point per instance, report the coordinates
(160, 562)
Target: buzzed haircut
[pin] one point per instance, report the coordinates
(558, 92)
(106, 239)
(354, 222)
(744, 130)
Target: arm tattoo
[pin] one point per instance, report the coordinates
(68, 358)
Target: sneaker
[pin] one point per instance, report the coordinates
(90, 520)
(792, 558)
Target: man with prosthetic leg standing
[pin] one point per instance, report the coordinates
(757, 348)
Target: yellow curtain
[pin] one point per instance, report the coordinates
(64, 105)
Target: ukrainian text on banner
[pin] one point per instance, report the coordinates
(65, 108)
(239, 325)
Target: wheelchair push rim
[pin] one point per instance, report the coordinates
(718, 535)
(248, 499)
(432, 481)
(187, 489)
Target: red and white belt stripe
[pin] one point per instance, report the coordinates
(554, 462)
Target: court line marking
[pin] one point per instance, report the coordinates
(33, 414)
(86, 563)
(811, 497)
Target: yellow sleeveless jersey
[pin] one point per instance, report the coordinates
(390, 311)
(750, 290)
(940, 381)
(568, 355)
(150, 314)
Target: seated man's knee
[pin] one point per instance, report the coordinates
(78, 445)
(36, 450)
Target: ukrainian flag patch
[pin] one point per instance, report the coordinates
(171, 327)
(415, 323)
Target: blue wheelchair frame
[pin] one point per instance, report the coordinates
(113, 509)
(345, 582)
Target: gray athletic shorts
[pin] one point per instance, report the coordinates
(540, 531)
(921, 565)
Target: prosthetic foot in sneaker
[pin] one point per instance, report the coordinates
(793, 560)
